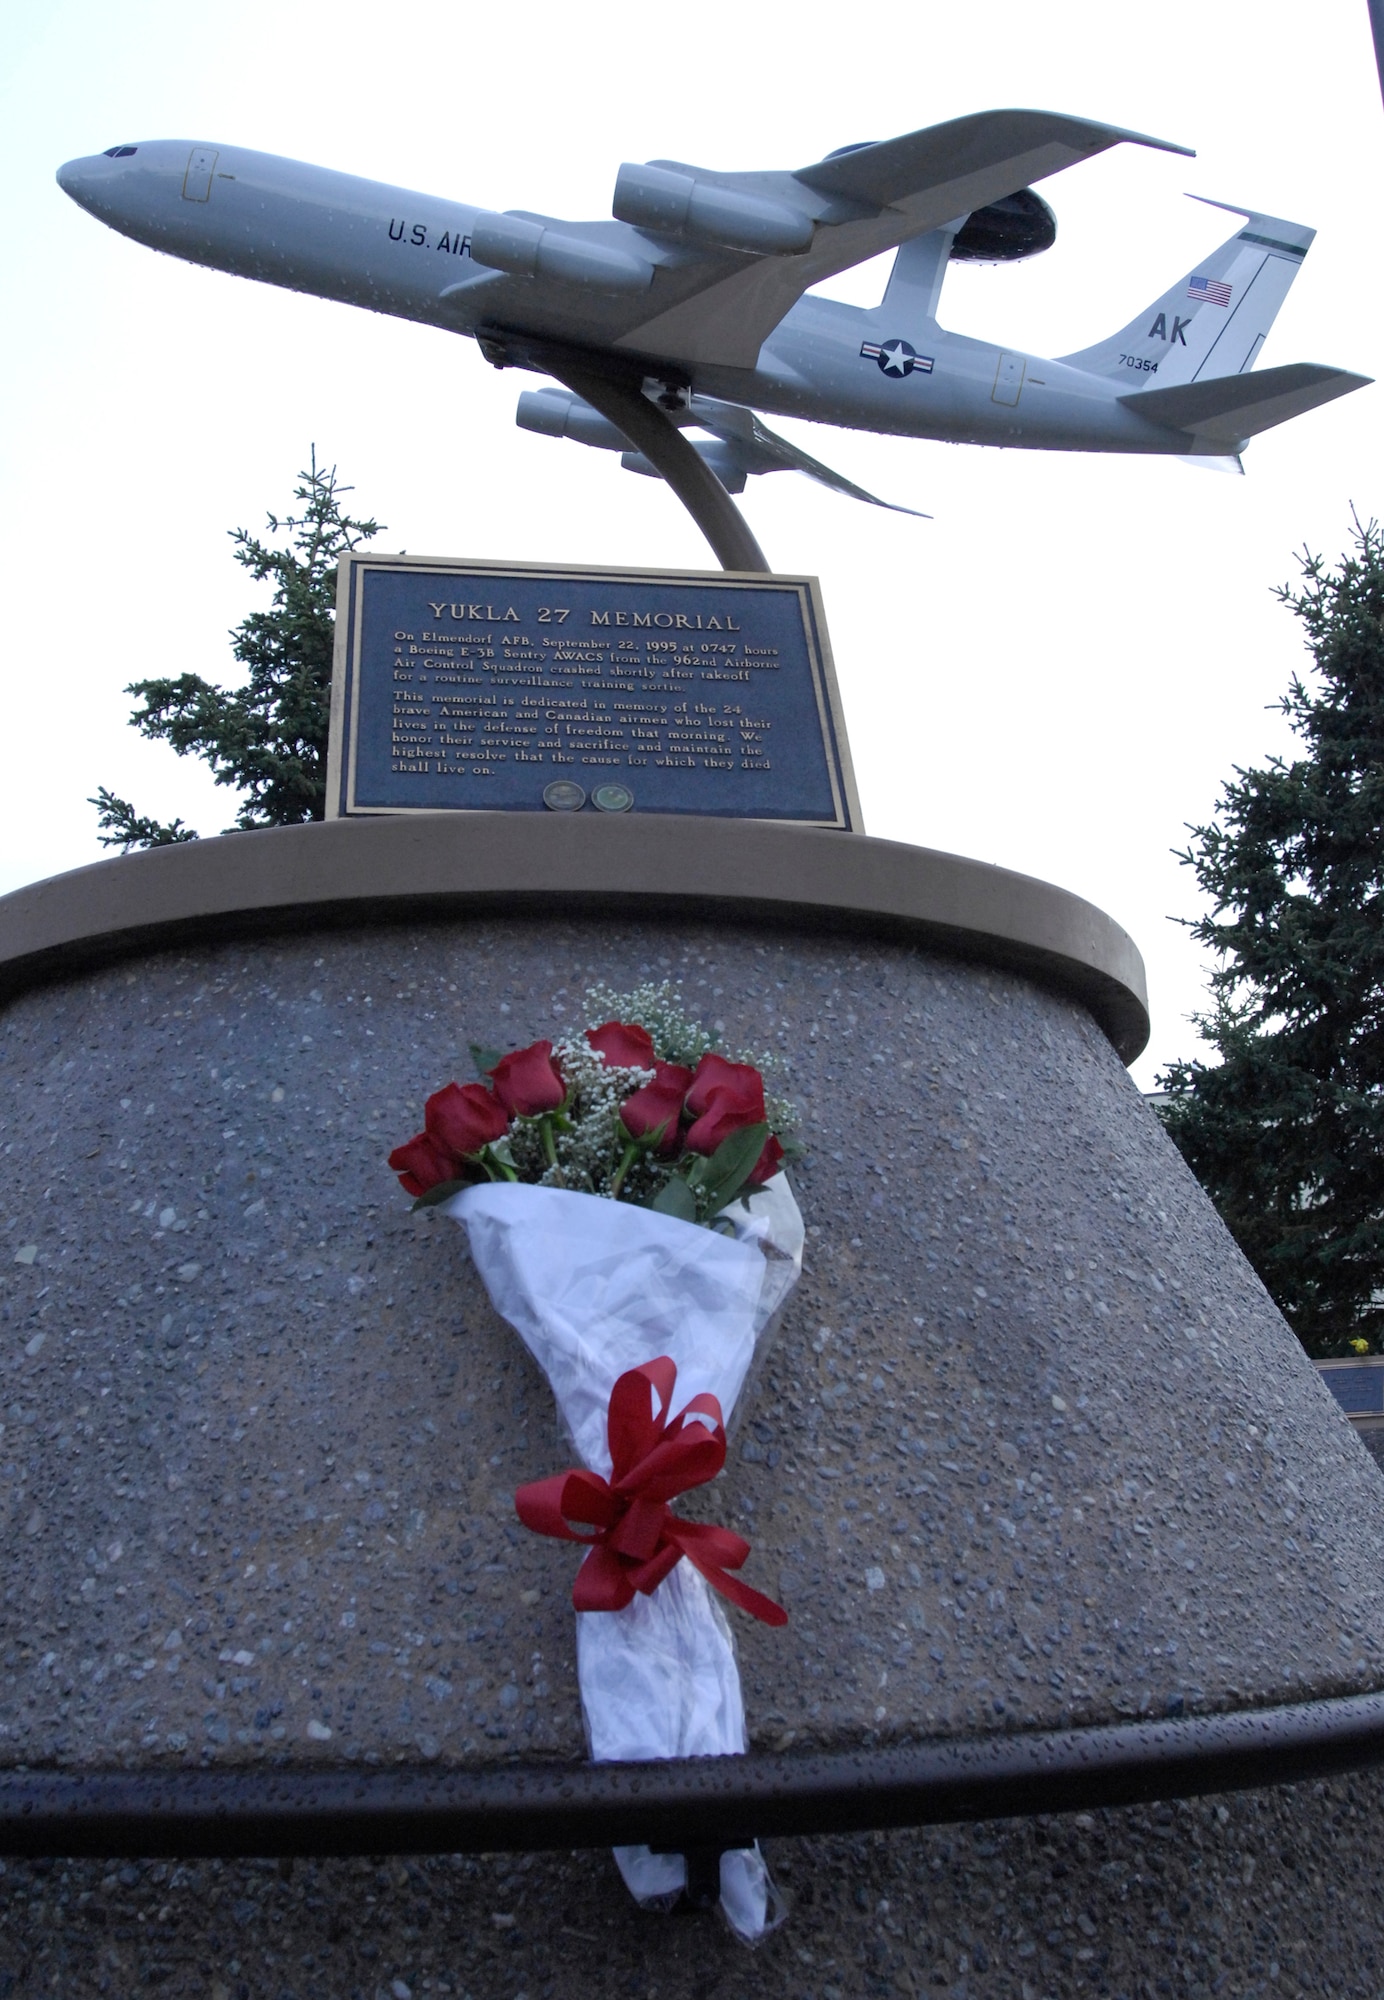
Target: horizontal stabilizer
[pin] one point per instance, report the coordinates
(1227, 409)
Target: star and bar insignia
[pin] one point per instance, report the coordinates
(896, 357)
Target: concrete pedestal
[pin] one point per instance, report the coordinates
(1060, 1513)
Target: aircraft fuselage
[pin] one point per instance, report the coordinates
(955, 388)
(394, 251)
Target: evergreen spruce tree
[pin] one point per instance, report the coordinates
(1285, 1128)
(267, 738)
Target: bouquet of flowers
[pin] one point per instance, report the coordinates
(669, 1278)
(605, 1113)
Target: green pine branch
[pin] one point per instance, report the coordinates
(1283, 1122)
(119, 825)
(267, 737)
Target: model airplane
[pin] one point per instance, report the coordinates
(695, 294)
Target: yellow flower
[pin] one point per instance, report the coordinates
(1359, 1347)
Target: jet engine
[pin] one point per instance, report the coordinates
(723, 459)
(739, 447)
(558, 413)
(670, 203)
(532, 250)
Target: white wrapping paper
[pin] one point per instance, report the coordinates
(594, 1288)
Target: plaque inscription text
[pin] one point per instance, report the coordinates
(469, 686)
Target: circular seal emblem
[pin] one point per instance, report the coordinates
(612, 798)
(563, 796)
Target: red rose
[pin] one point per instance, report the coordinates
(724, 1097)
(658, 1103)
(464, 1117)
(422, 1163)
(526, 1082)
(768, 1163)
(624, 1045)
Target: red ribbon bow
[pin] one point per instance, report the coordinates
(636, 1539)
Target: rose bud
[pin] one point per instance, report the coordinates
(624, 1045)
(714, 1072)
(422, 1163)
(724, 1097)
(527, 1083)
(658, 1103)
(768, 1163)
(464, 1117)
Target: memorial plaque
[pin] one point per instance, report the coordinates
(516, 687)
(1359, 1391)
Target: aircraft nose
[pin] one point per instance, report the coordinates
(95, 182)
(81, 178)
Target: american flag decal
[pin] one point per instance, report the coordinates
(1209, 291)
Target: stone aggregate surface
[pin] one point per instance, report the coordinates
(1373, 1441)
(1033, 1447)
(1256, 1895)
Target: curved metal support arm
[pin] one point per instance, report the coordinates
(665, 447)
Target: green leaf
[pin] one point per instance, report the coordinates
(647, 1142)
(676, 1198)
(435, 1196)
(485, 1059)
(731, 1165)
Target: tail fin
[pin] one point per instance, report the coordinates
(1213, 321)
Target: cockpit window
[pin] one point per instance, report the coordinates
(120, 152)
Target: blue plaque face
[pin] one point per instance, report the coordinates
(1359, 1391)
(513, 688)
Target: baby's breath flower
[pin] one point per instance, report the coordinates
(657, 1006)
(587, 1138)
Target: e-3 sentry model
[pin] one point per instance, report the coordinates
(689, 310)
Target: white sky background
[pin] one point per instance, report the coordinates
(1055, 674)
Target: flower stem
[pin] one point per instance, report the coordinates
(631, 1154)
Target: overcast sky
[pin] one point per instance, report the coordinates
(1056, 673)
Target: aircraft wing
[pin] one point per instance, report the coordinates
(761, 450)
(699, 267)
(862, 202)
